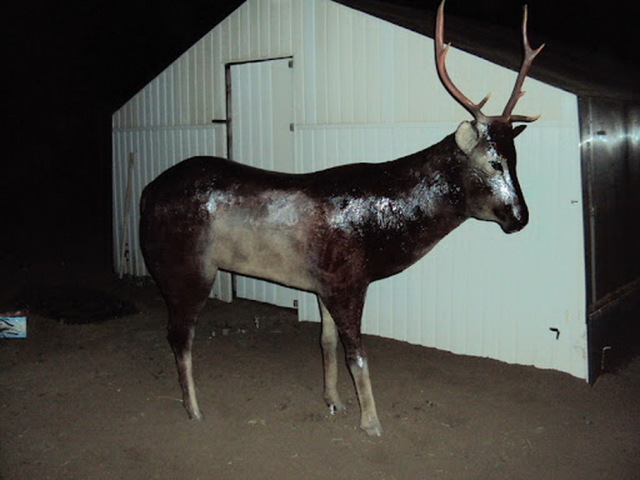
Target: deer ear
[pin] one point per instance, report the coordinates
(466, 137)
(518, 130)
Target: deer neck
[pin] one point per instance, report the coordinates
(427, 204)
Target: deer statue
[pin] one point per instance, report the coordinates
(331, 232)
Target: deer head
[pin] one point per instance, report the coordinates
(487, 143)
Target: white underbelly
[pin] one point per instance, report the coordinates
(276, 254)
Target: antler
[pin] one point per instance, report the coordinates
(441, 54)
(476, 108)
(529, 55)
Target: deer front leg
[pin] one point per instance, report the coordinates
(360, 371)
(329, 342)
(346, 310)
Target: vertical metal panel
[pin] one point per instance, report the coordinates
(154, 151)
(611, 152)
(611, 166)
(365, 90)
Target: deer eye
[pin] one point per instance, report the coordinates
(497, 166)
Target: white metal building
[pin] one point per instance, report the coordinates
(301, 85)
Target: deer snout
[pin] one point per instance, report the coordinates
(516, 220)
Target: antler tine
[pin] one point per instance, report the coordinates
(529, 55)
(441, 54)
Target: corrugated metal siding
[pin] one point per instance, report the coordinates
(366, 90)
(154, 150)
(353, 69)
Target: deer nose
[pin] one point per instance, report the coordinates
(517, 221)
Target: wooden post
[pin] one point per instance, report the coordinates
(127, 214)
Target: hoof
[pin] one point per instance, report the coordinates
(195, 415)
(373, 430)
(333, 409)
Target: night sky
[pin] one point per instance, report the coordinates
(68, 66)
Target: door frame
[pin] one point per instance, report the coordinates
(230, 277)
(229, 94)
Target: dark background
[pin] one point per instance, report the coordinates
(68, 66)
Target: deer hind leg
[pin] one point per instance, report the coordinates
(329, 342)
(185, 298)
(180, 333)
(346, 310)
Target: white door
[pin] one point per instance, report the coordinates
(261, 127)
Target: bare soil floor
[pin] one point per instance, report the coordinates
(101, 401)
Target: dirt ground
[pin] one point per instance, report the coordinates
(102, 401)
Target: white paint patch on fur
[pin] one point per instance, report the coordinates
(501, 185)
(284, 210)
(211, 206)
(215, 201)
(391, 213)
(355, 210)
(503, 189)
